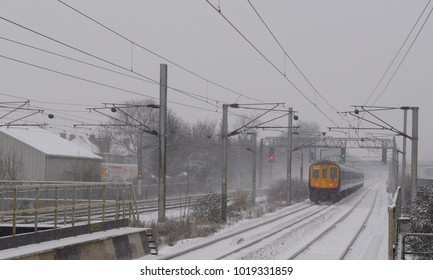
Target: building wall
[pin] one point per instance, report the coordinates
(73, 169)
(33, 161)
(116, 172)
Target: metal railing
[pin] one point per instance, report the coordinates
(65, 203)
(412, 236)
(394, 212)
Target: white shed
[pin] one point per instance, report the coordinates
(45, 156)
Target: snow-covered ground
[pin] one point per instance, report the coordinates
(371, 245)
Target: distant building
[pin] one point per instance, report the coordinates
(114, 168)
(45, 156)
(117, 172)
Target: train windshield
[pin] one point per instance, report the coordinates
(315, 172)
(333, 172)
(324, 172)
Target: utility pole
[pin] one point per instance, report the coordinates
(261, 163)
(140, 164)
(162, 142)
(224, 136)
(254, 152)
(403, 167)
(393, 165)
(414, 165)
(238, 163)
(289, 157)
(302, 165)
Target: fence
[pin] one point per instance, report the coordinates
(394, 212)
(407, 238)
(65, 203)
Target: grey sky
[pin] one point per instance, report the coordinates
(343, 47)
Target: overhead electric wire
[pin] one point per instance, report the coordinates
(66, 45)
(404, 57)
(288, 56)
(75, 77)
(146, 79)
(269, 61)
(97, 83)
(113, 64)
(59, 111)
(237, 131)
(76, 60)
(397, 54)
(156, 54)
(200, 98)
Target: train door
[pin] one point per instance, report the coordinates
(333, 176)
(315, 176)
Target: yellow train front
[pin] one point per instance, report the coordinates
(329, 180)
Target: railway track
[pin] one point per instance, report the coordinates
(98, 213)
(232, 245)
(190, 251)
(319, 246)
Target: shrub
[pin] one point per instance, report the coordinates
(421, 213)
(208, 209)
(278, 191)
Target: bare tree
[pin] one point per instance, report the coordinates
(138, 119)
(84, 170)
(11, 166)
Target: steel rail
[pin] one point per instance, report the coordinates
(360, 229)
(200, 246)
(328, 229)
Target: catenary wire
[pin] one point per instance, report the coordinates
(99, 83)
(289, 57)
(397, 54)
(156, 54)
(404, 57)
(111, 63)
(146, 79)
(270, 62)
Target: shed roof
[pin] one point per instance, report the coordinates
(85, 143)
(48, 143)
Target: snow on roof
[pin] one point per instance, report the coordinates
(48, 143)
(85, 143)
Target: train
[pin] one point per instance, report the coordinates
(330, 181)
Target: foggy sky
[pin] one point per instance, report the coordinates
(343, 47)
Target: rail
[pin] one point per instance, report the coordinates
(65, 204)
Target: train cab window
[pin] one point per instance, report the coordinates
(324, 173)
(315, 172)
(333, 172)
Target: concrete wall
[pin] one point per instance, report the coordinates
(128, 246)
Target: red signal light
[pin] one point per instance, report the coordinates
(271, 155)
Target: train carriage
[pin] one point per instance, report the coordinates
(330, 180)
